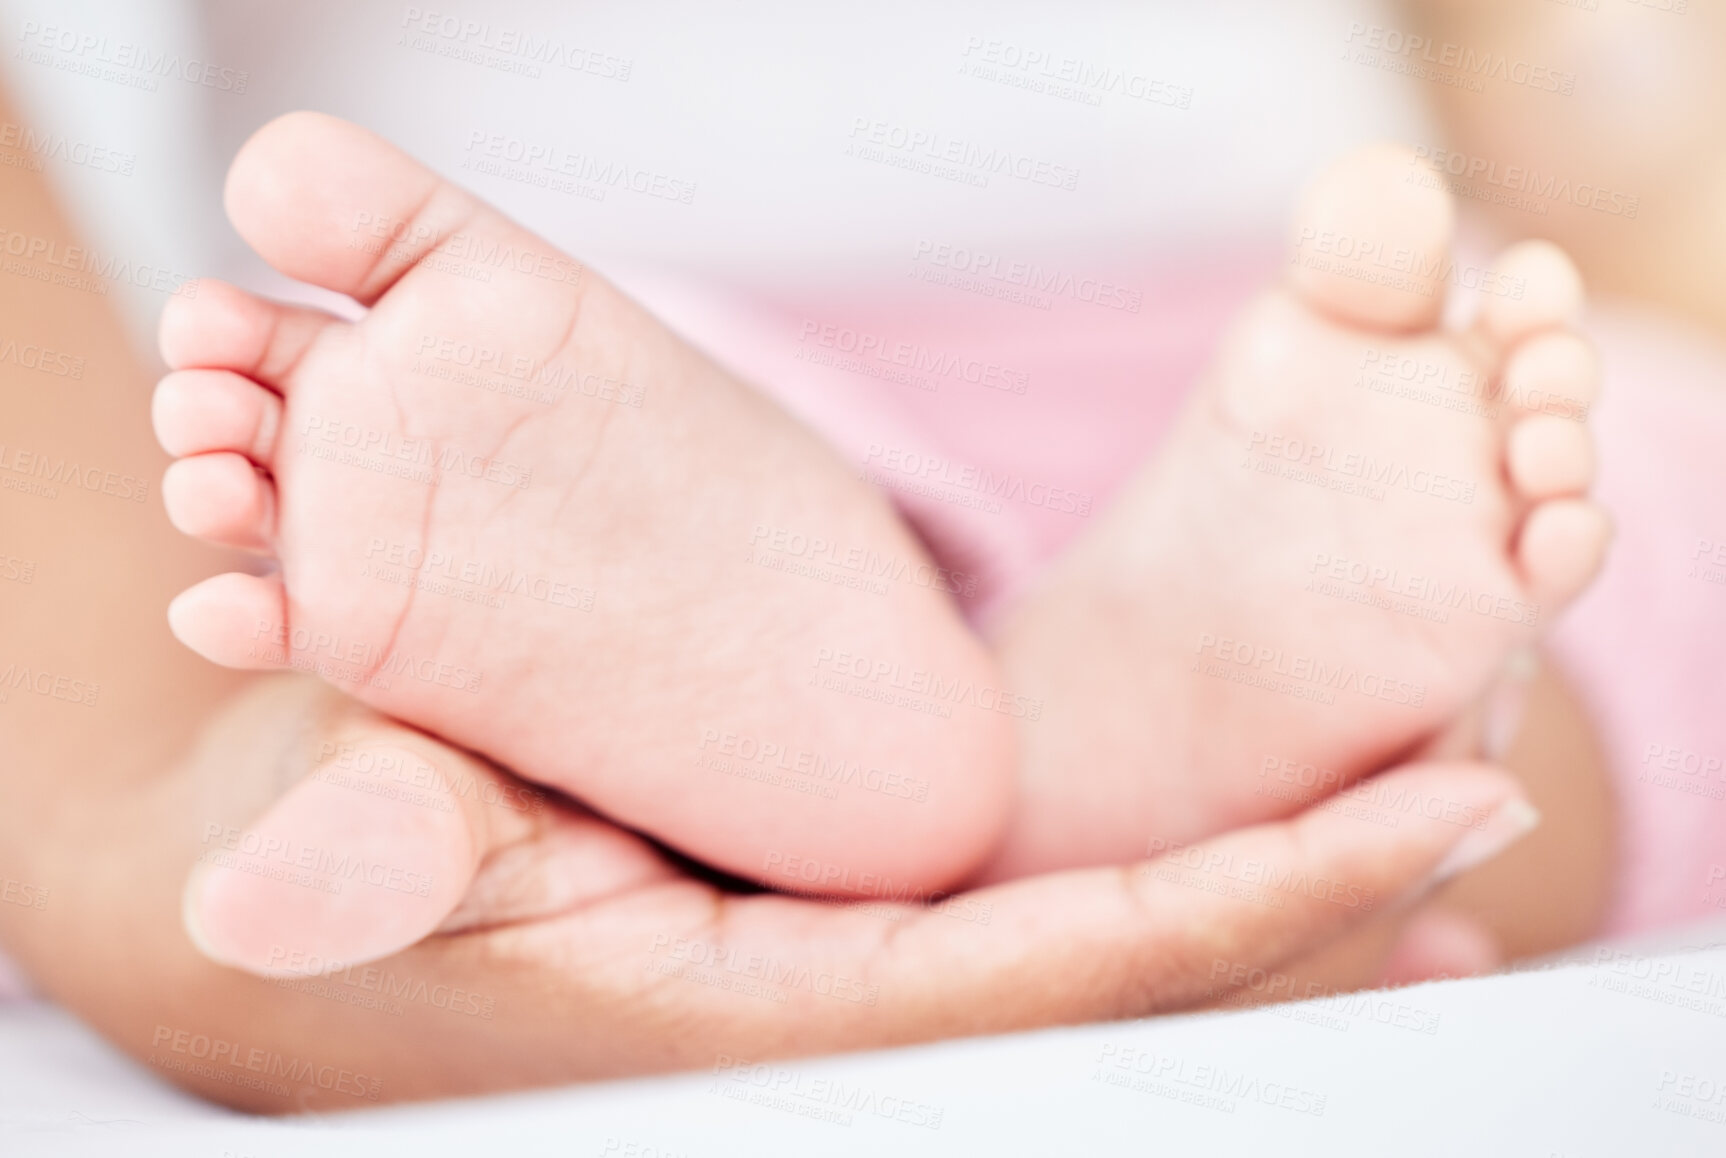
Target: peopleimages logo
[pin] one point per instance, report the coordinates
(59, 147)
(982, 266)
(887, 462)
(1067, 77)
(539, 162)
(1213, 1087)
(106, 58)
(55, 473)
(832, 1099)
(1519, 186)
(445, 34)
(919, 361)
(238, 1056)
(814, 765)
(328, 866)
(77, 267)
(864, 561)
(770, 971)
(1418, 55)
(1251, 871)
(876, 140)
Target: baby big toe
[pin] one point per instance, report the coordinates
(1561, 547)
(1377, 201)
(300, 184)
(221, 498)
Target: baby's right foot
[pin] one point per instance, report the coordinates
(583, 559)
(1357, 520)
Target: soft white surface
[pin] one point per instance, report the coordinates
(1562, 1061)
(754, 102)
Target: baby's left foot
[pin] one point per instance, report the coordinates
(1357, 519)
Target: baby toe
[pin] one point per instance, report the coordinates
(220, 498)
(1548, 457)
(234, 620)
(1555, 373)
(300, 184)
(1547, 292)
(1378, 201)
(201, 411)
(222, 327)
(1561, 547)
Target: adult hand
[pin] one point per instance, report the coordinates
(551, 946)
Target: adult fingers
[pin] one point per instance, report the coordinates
(381, 839)
(1154, 937)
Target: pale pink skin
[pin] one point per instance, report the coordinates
(1213, 541)
(582, 935)
(1129, 748)
(663, 637)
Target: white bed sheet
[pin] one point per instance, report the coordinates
(1620, 1052)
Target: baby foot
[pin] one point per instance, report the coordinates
(509, 507)
(1357, 519)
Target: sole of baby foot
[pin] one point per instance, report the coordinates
(508, 507)
(1358, 516)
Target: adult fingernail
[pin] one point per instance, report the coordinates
(191, 915)
(1509, 823)
(1508, 702)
